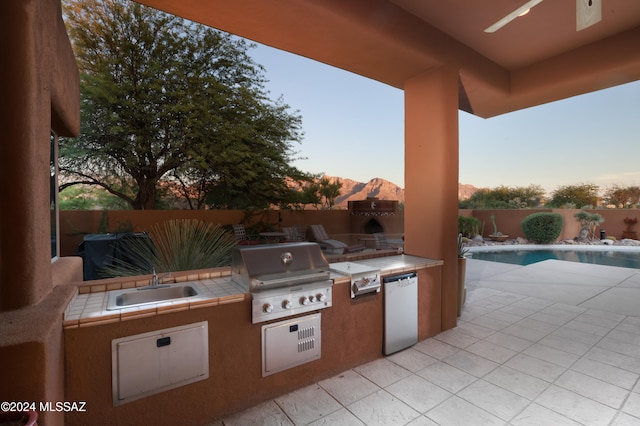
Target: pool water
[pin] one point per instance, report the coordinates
(626, 259)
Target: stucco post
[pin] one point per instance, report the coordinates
(431, 176)
(24, 152)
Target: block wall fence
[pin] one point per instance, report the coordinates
(340, 224)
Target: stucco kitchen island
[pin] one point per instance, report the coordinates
(352, 334)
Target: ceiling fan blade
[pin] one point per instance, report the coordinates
(513, 15)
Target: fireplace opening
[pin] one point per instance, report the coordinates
(373, 226)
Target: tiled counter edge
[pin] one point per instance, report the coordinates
(88, 306)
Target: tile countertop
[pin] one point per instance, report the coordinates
(89, 308)
(394, 264)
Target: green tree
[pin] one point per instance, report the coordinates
(504, 197)
(622, 197)
(580, 196)
(329, 191)
(169, 103)
(588, 224)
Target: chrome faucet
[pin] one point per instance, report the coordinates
(155, 281)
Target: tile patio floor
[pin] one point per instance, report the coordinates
(553, 343)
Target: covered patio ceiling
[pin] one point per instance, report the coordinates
(535, 59)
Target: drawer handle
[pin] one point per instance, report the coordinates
(164, 341)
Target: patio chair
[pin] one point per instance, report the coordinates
(241, 236)
(294, 233)
(331, 245)
(321, 236)
(382, 243)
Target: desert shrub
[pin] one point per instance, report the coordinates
(542, 228)
(468, 226)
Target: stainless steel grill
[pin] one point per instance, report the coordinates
(283, 279)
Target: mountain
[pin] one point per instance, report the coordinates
(382, 189)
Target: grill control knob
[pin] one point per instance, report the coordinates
(286, 304)
(312, 298)
(267, 307)
(304, 300)
(321, 297)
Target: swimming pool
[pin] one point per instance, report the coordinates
(626, 257)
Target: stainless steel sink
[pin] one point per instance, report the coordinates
(119, 299)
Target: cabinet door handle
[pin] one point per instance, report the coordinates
(163, 341)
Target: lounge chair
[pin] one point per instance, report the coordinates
(331, 245)
(382, 243)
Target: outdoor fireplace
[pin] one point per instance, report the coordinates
(373, 216)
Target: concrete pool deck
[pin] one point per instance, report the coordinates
(607, 288)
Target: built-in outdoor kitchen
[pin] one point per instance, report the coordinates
(282, 317)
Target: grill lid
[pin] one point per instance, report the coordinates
(267, 266)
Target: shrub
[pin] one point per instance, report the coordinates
(468, 226)
(542, 228)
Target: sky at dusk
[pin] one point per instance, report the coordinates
(354, 128)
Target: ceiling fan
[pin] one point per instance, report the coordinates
(588, 12)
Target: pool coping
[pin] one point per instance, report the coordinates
(559, 247)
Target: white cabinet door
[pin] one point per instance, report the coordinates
(152, 362)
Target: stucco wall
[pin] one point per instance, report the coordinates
(508, 221)
(339, 224)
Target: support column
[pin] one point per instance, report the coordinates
(431, 177)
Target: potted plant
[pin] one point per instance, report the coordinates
(497, 235)
(462, 269)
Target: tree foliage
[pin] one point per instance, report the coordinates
(622, 197)
(575, 196)
(170, 103)
(504, 197)
(588, 224)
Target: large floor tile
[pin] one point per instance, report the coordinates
(535, 367)
(576, 407)
(382, 372)
(607, 373)
(509, 341)
(420, 394)
(547, 353)
(456, 411)
(383, 409)
(517, 382)
(632, 405)
(494, 399)
(447, 377)
(435, 348)
(340, 417)
(592, 388)
(307, 404)
(412, 359)
(348, 387)
(536, 415)
(491, 351)
(267, 414)
(566, 345)
(622, 298)
(456, 338)
(471, 363)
